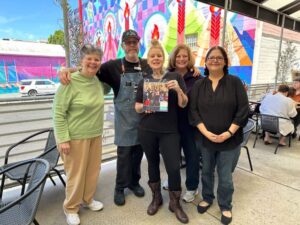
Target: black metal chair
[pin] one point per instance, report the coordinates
(269, 123)
(50, 154)
(23, 209)
(253, 112)
(246, 134)
(253, 109)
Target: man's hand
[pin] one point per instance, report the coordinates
(64, 75)
(64, 147)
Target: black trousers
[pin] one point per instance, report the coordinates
(168, 145)
(296, 120)
(128, 166)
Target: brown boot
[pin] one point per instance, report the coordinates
(156, 198)
(175, 206)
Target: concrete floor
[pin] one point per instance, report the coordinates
(270, 195)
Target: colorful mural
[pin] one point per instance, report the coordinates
(14, 68)
(172, 21)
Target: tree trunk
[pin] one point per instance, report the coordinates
(65, 8)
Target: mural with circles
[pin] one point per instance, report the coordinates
(172, 21)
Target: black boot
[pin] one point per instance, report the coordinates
(119, 197)
(137, 189)
(175, 206)
(156, 198)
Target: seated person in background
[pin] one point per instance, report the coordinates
(291, 93)
(282, 106)
(296, 85)
(296, 97)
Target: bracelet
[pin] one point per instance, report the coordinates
(231, 134)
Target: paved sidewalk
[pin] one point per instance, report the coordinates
(270, 195)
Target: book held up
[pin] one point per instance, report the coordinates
(155, 95)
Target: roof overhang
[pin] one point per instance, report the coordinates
(271, 11)
(11, 47)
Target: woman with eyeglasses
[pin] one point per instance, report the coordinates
(219, 109)
(78, 124)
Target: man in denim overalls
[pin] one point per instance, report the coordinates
(123, 75)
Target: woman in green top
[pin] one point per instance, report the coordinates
(78, 124)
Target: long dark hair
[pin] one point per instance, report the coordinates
(224, 54)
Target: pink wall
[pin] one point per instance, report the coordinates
(18, 67)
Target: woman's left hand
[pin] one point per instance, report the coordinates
(173, 84)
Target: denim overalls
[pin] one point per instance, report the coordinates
(126, 118)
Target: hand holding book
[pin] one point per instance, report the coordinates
(173, 84)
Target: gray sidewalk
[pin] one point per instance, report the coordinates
(270, 195)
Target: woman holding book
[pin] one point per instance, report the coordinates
(158, 132)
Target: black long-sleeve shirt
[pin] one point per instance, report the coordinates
(111, 70)
(218, 109)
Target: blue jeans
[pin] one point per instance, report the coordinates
(192, 159)
(225, 161)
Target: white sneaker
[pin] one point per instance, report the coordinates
(189, 196)
(165, 185)
(72, 218)
(95, 205)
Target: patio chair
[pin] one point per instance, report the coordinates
(253, 112)
(246, 134)
(22, 210)
(50, 154)
(253, 109)
(269, 123)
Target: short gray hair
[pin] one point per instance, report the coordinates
(90, 49)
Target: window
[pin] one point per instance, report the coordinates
(40, 82)
(25, 82)
(192, 41)
(47, 82)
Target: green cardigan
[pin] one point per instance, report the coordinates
(78, 108)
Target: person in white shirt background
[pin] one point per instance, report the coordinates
(279, 105)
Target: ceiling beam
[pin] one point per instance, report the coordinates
(260, 1)
(257, 11)
(290, 8)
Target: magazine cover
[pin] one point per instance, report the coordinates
(155, 95)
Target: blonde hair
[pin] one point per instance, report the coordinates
(174, 53)
(156, 44)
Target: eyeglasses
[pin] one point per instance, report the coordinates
(131, 42)
(218, 58)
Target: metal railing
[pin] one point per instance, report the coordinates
(23, 116)
(257, 91)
